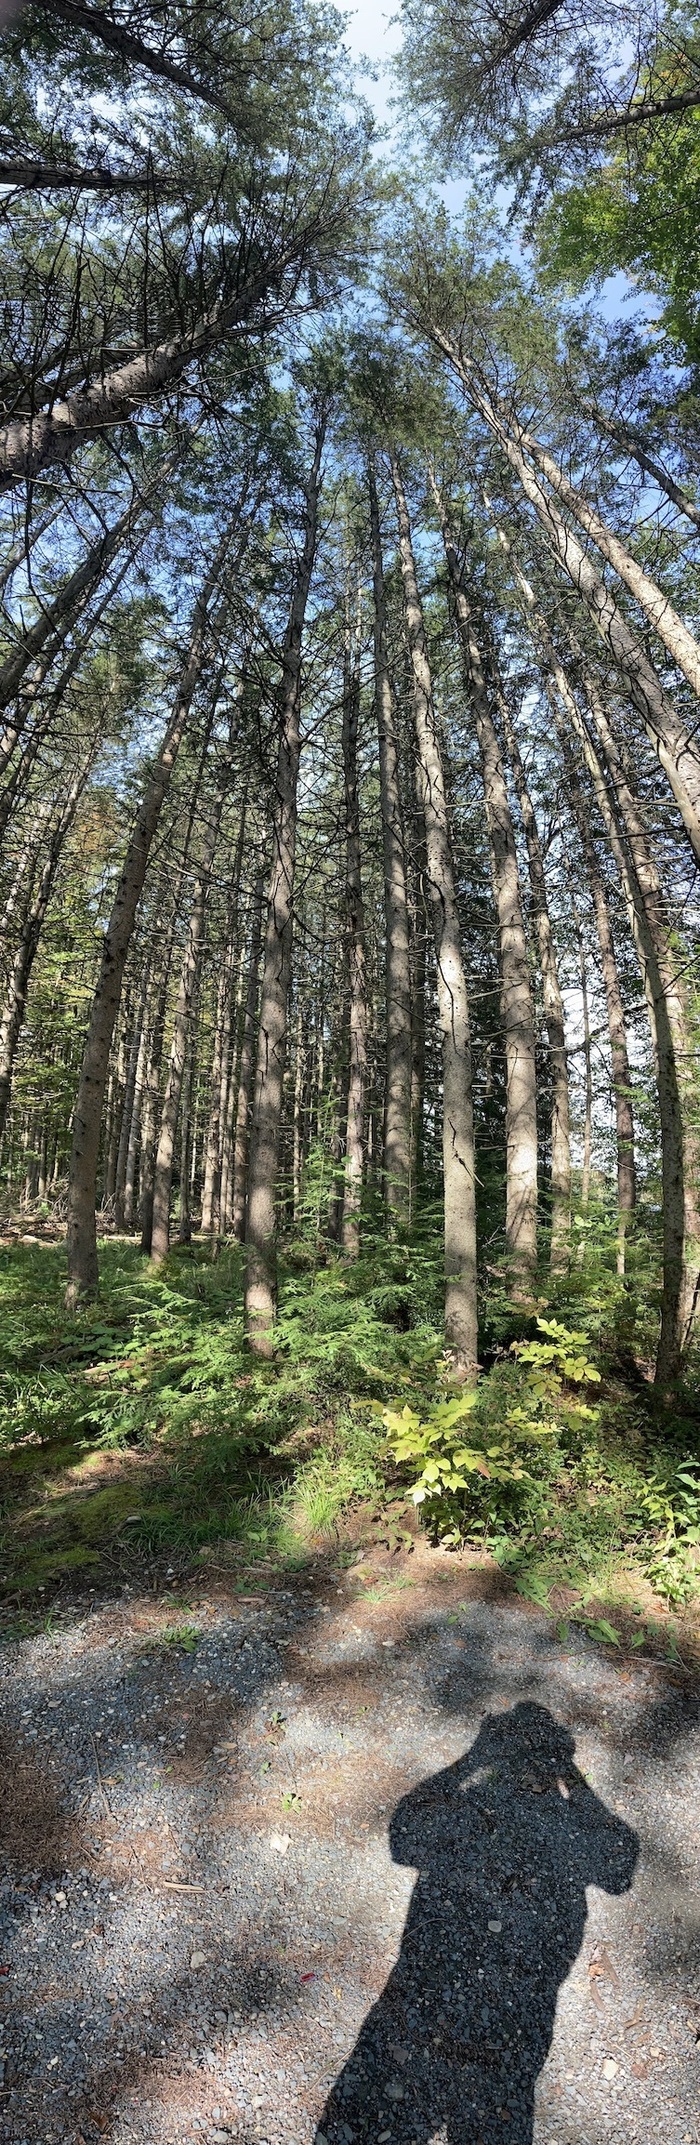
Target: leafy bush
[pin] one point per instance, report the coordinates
(670, 1499)
(492, 1479)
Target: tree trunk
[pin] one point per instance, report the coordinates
(587, 1072)
(12, 1013)
(552, 999)
(261, 1264)
(211, 1193)
(135, 1126)
(676, 750)
(182, 1030)
(20, 552)
(616, 1019)
(627, 437)
(149, 1107)
(357, 978)
(35, 175)
(671, 1035)
(617, 1027)
(188, 1140)
(676, 1056)
(128, 1109)
(133, 51)
(25, 867)
(81, 1235)
(418, 978)
(43, 722)
(635, 114)
(245, 1078)
(49, 437)
(55, 619)
(114, 1115)
(516, 995)
(453, 1008)
(397, 1111)
(229, 1097)
(677, 639)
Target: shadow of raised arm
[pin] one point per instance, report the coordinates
(504, 1842)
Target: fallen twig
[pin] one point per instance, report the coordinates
(100, 1781)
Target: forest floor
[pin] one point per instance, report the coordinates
(313, 1830)
(360, 1853)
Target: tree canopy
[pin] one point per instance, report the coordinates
(349, 669)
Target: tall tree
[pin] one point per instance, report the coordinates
(82, 1236)
(458, 1161)
(263, 1165)
(516, 993)
(397, 1105)
(357, 1012)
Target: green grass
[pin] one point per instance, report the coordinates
(140, 1430)
(141, 1425)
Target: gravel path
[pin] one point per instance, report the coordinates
(379, 1863)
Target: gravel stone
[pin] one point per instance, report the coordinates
(482, 1925)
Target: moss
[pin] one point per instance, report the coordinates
(42, 1567)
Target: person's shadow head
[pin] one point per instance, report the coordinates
(504, 1842)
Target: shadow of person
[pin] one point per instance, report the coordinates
(505, 1842)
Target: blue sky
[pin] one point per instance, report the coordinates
(368, 31)
(372, 30)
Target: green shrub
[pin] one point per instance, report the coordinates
(522, 1420)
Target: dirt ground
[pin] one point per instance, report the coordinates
(364, 1855)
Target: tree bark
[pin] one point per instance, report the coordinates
(229, 1097)
(81, 1235)
(188, 1134)
(677, 639)
(128, 1108)
(677, 752)
(453, 1007)
(676, 1056)
(182, 1030)
(587, 1071)
(43, 722)
(357, 978)
(55, 619)
(12, 1013)
(34, 175)
(133, 50)
(636, 114)
(245, 1077)
(516, 994)
(617, 1026)
(25, 865)
(211, 1192)
(20, 551)
(418, 918)
(552, 999)
(633, 443)
(669, 1021)
(263, 1167)
(211, 1188)
(135, 1126)
(151, 1092)
(397, 1108)
(49, 437)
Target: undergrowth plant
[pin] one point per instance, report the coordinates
(534, 1463)
(517, 1419)
(556, 1467)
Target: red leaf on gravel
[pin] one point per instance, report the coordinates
(5, 1970)
(307, 1977)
